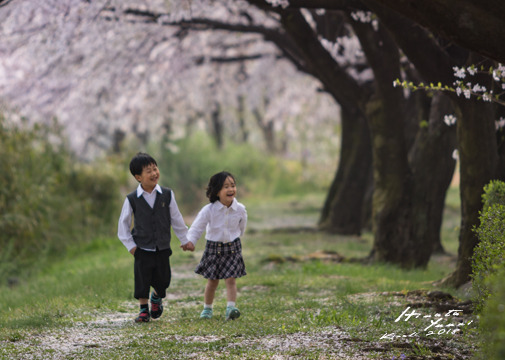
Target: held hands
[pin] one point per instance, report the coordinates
(188, 246)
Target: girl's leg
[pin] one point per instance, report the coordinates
(231, 289)
(231, 294)
(210, 291)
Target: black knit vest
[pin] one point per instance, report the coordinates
(151, 226)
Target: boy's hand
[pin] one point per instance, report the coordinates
(132, 251)
(188, 246)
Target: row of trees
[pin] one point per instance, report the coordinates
(396, 152)
(395, 142)
(111, 80)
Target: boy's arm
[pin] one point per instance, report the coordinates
(123, 229)
(177, 221)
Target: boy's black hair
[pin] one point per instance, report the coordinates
(139, 162)
(216, 184)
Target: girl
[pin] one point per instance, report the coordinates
(224, 221)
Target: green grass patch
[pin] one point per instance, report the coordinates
(292, 305)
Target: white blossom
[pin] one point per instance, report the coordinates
(478, 88)
(472, 70)
(362, 16)
(459, 73)
(500, 123)
(496, 75)
(450, 119)
(282, 3)
(455, 154)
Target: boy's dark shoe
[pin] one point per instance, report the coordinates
(156, 307)
(143, 316)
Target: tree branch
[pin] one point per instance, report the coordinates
(5, 2)
(199, 60)
(474, 25)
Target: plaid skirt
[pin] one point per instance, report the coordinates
(222, 260)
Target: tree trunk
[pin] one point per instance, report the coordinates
(241, 118)
(343, 208)
(267, 128)
(433, 168)
(478, 163)
(217, 125)
(393, 218)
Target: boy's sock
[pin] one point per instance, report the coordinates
(144, 313)
(156, 306)
(207, 306)
(230, 303)
(155, 298)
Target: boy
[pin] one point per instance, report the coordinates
(154, 209)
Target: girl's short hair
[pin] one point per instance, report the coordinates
(216, 183)
(139, 162)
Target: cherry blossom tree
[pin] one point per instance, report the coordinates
(111, 74)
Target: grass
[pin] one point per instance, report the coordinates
(293, 306)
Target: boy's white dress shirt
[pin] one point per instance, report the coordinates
(125, 219)
(221, 223)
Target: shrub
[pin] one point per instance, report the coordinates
(48, 201)
(489, 254)
(494, 193)
(489, 272)
(492, 321)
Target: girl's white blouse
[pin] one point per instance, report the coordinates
(221, 223)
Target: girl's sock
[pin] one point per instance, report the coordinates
(207, 306)
(230, 303)
(144, 307)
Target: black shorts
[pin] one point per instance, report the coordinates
(152, 269)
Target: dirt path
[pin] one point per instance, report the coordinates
(104, 331)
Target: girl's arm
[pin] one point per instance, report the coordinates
(243, 223)
(199, 225)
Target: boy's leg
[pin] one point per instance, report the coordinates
(144, 311)
(231, 295)
(156, 305)
(143, 275)
(161, 281)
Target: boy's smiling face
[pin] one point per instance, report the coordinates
(227, 192)
(149, 177)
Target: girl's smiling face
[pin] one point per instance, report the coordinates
(227, 192)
